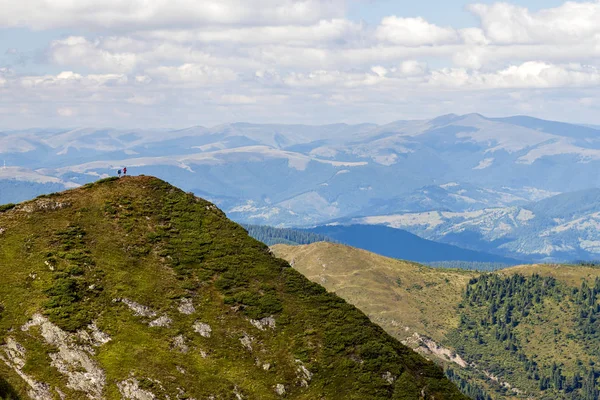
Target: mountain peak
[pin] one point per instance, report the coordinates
(131, 288)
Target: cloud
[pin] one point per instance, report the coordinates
(78, 51)
(413, 32)
(296, 59)
(142, 100)
(66, 112)
(509, 24)
(196, 74)
(142, 14)
(532, 74)
(69, 78)
(318, 33)
(412, 68)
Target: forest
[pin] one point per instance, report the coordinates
(535, 332)
(272, 236)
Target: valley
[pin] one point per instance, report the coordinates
(522, 332)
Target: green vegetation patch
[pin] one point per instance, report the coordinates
(519, 328)
(7, 207)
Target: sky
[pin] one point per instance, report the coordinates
(178, 63)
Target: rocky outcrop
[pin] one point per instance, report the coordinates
(203, 329)
(186, 307)
(246, 341)
(303, 374)
(138, 309)
(427, 346)
(130, 389)
(74, 357)
(161, 322)
(43, 205)
(15, 358)
(263, 324)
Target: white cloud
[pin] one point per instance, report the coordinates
(412, 68)
(142, 14)
(238, 99)
(194, 74)
(318, 33)
(66, 111)
(78, 51)
(243, 60)
(507, 23)
(413, 32)
(144, 100)
(69, 78)
(379, 70)
(527, 75)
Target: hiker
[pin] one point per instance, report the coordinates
(119, 172)
(124, 171)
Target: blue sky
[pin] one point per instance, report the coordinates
(203, 62)
(448, 12)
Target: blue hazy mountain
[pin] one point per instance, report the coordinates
(302, 176)
(565, 227)
(401, 244)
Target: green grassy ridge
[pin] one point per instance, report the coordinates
(70, 255)
(549, 348)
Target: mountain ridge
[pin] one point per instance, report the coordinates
(131, 288)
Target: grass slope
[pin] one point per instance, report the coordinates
(523, 332)
(80, 256)
(402, 297)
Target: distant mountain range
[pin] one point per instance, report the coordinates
(303, 176)
(562, 227)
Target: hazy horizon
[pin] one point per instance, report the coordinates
(160, 64)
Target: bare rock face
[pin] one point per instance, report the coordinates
(162, 321)
(280, 389)
(74, 360)
(44, 205)
(203, 329)
(186, 307)
(389, 378)
(303, 374)
(130, 389)
(94, 336)
(263, 324)
(246, 341)
(15, 357)
(138, 309)
(180, 344)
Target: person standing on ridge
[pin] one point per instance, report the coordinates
(124, 171)
(119, 172)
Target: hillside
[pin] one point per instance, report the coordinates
(133, 289)
(523, 332)
(401, 244)
(389, 291)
